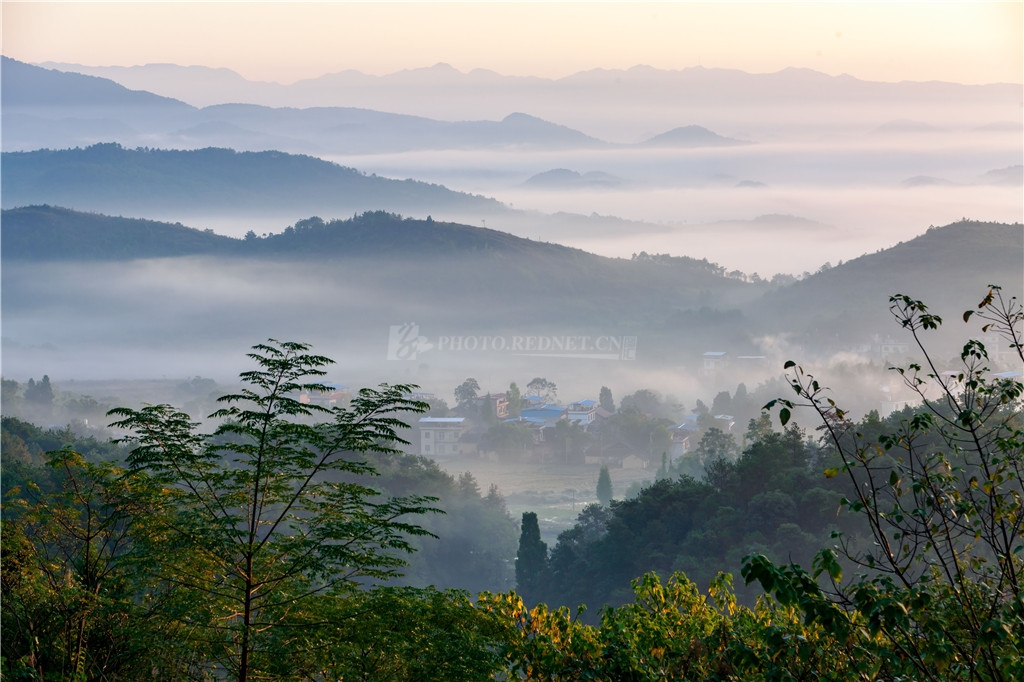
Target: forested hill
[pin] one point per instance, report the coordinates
(108, 177)
(54, 233)
(949, 267)
(42, 233)
(437, 254)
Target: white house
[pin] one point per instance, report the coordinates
(583, 412)
(440, 436)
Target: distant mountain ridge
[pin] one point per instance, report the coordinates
(110, 178)
(328, 89)
(43, 108)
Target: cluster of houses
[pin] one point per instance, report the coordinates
(464, 436)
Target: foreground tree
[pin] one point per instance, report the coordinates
(74, 601)
(266, 514)
(940, 583)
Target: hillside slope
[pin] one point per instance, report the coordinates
(110, 178)
(949, 268)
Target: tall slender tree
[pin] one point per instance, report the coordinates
(531, 559)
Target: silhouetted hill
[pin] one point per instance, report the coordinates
(24, 85)
(948, 268)
(691, 136)
(563, 178)
(344, 280)
(110, 178)
(43, 233)
(494, 259)
(47, 108)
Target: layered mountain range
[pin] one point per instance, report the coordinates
(50, 108)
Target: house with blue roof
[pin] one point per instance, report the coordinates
(549, 413)
(583, 412)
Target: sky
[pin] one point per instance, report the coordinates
(965, 42)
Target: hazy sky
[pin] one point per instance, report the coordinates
(967, 42)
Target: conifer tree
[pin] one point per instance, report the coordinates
(531, 559)
(604, 487)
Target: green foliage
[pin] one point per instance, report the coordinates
(466, 392)
(716, 444)
(243, 552)
(769, 500)
(648, 436)
(74, 604)
(510, 440)
(258, 517)
(532, 557)
(472, 543)
(515, 400)
(547, 390)
(606, 400)
(940, 588)
(392, 634)
(670, 631)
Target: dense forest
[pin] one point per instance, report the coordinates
(270, 547)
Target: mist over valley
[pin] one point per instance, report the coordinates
(766, 216)
(499, 341)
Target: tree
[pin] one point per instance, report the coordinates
(466, 392)
(515, 400)
(507, 439)
(716, 444)
(940, 580)
(71, 604)
(645, 401)
(605, 399)
(39, 395)
(9, 398)
(722, 404)
(487, 416)
(604, 487)
(399, 634)
(531, 559)
(544, 388)
(266, 514)
(569, 441)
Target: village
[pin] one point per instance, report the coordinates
(646, 430)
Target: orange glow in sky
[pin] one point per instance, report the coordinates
(967, 42)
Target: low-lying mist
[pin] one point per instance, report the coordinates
(431, 322)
